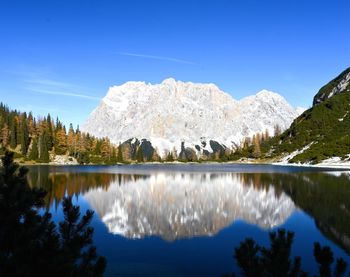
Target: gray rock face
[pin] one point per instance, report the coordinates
(338, 85)
(173, 112)
(178, 205)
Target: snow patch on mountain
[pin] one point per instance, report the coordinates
(173, 112)
(287, 158)
(341, 86)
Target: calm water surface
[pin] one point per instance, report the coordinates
(186, 220)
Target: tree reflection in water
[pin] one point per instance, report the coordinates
(323, 196)
(255, 260)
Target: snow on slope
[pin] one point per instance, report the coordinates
(173, 112)
(174, 206)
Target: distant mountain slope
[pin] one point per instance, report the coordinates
(323, 132)
(178, 115)
(337, 85)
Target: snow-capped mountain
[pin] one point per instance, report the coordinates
(172, 112)
(178, 205)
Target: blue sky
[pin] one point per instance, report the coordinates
(61, 56)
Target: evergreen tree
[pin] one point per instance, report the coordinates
(5, 135)
(34, 154)
(49, 133)
(44, 152)
(71, 142)
(31, 125)
(83, 158)
(61, 141)
(258, 261)
(106, 149)
(81, 142)
(155, 157)
(13, 140)
(114, 158)
(97, 147)
(30, 242)
(256, 147)
(139, 155)
(169, 157)
(24, 135)
(120, 154)
(18, 129)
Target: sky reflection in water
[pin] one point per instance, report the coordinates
(176, 220)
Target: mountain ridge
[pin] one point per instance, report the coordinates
(175, 112)
(321, 133)
(335, 86)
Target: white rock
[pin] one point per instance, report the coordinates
(63, 160)
(173, 112)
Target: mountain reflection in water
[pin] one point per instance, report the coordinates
(178, 205)
(175, 205)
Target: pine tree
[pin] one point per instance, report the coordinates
(60, 141)
(13, 140)
(97, 147)
(169, 157)
(24, 135)
(139, 155)
(120, 154)
(114, 159)
(49, 133)
(155, 157)
(5, 136)
(81, 142)
(18, 130)
(34, 153)
(30, 242)
(71, 142)
(106, 149)
(44, 152)
(31, 125)
(256, 147)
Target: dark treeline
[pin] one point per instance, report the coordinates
(31, 244)
(255, 260)
(40, 139)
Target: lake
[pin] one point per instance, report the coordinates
(186, 220)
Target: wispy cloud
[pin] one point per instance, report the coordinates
(49, 82)
(170, 59)
(44, 81)
(61, 93)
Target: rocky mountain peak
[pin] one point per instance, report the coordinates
(175, 114)
(334, 87)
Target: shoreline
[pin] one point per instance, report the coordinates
(320, 165)
(344, 166)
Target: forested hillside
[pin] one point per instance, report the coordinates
(41, 139)
(321, 132)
